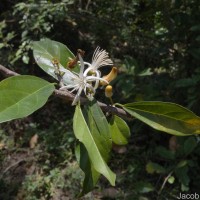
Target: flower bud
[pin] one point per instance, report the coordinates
(108, 91)
(72, 63)
(111, 76)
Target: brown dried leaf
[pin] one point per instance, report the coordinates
(33, 141)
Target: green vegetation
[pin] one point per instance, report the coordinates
(156, 47)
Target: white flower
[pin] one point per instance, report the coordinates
(80, 82)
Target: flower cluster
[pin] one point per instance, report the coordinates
(89, 77)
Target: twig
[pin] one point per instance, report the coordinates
(106, 108)
(164, 182)
(6, 72)
(69, 96)
(11, 166)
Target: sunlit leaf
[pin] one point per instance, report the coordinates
(22, 95)
(93, 141)
(120, 131)
(49, 53)
(163, 116)
(171, 179)
(99, 128)
(146, 72)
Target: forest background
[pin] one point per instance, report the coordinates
(156, 46)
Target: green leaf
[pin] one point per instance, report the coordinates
(171, 180)
(195, 28)
(99, 127)
(144, 187)
(189, 145)
(165, 153)
(184, 188)
(96, 142)
(152, 167)
(182, 163)
(25, 59)
(91, 175)
(47, 51)
(22, 95)
(120, 131)
(146, 72)
(167, 117)
(195, 52)
(182, 174)
(187, 82)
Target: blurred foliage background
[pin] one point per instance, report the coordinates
(156, 46)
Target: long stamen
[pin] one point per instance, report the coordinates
(100, 58)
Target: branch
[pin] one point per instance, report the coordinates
(6, 72)
(69, 96)
(106, 108)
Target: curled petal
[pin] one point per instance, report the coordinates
(111, 76)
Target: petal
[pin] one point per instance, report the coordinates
(111, 76)
(90, 68)
(69, 77)
(94, 78)
(77, 97)
(82, 65)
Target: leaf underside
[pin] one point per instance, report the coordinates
(167, 117)
(46, 52)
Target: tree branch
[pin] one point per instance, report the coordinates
(69, 96)
(6, 72)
